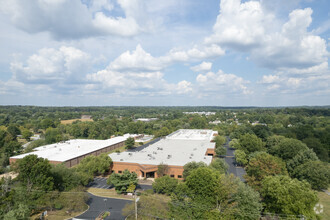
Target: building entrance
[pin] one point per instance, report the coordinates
(150, 175)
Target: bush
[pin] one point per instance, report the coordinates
(165, 185)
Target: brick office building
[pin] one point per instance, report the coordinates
(175, 150)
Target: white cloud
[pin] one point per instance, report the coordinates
(69, 19)
(50, 65)
(138, 60)
(196, 53)
(221, 83)
(204, 66)
(281, 46)
(239, 25)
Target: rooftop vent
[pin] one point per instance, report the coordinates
(169, 156)
(118, 153)
(149, 155)
(154, 152)
(55, 146)
(130, 154)
(191, 154)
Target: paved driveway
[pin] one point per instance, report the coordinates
(101, 182)
(99, 204)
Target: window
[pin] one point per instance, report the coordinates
(172, 175)
(119, 171)
(179, 176)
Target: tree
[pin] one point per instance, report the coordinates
(287, 196)
(13, 130)
(317, 173)
(162, 132)
(162, 170)
(188, 167)
(22, 211)
(220, 151)
(35, 172)
(27, 134)
(66, 179)
(274, 140)
(219, 165)
(261, 166)
(150, 206)
(165, 185)
(53, 135)
(251, 143)
(319, 148)
(234, 144)
(240, 157)
(94, 165)
(130, 142)
(287, 148)
(302, 157)
(219, 141)
(248, 203)
(122, 181)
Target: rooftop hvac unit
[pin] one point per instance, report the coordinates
(190, 157)
(149, 155)
(154, 152)
(191, 154)
(169, 156)
(118, 153)
(121, 159)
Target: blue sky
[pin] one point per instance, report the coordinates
(154, 52)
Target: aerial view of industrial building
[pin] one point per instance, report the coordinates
(71, 152)
(175, 150)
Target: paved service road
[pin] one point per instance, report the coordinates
(101, 182)
(230, 159)
(99, 204)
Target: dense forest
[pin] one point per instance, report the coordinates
(277, 147)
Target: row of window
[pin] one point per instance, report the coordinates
(172, 175)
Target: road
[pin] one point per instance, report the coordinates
(230, 159)
(99, 204)
(101, 182)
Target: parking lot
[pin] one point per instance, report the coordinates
(101, 182)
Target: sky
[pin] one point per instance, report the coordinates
(164, 53)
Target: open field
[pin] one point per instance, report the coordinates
(325, 201)
(70, 121)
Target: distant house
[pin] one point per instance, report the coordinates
(146, 119)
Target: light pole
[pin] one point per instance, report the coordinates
(105, 204)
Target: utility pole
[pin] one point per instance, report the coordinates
(135, 206)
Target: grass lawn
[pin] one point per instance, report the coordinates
(60, 214)
(325, 201)
(70, 121)
(108, 193)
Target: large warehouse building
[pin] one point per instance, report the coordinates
(175, 150)
(71, 152)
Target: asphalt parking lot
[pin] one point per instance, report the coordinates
(101, 182)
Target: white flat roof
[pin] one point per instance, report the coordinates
(71, 149)
(178, 148)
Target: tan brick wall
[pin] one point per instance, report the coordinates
(176, 171)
